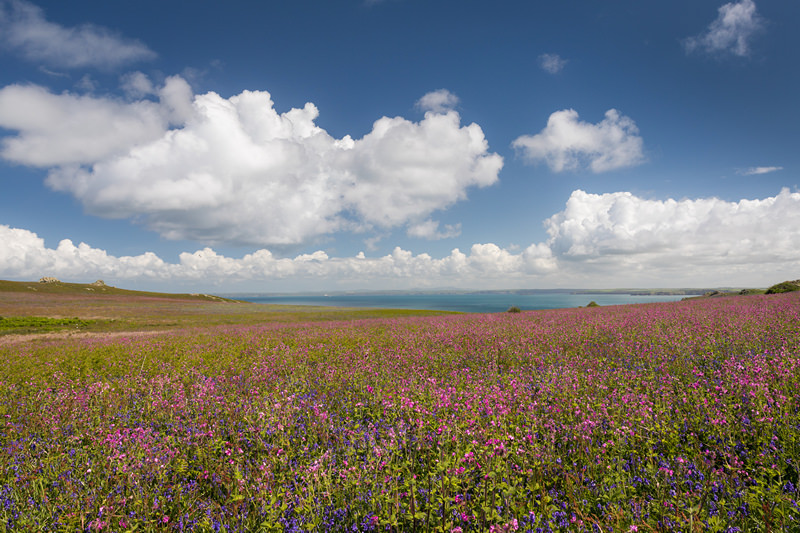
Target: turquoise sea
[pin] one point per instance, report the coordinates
(466, 303)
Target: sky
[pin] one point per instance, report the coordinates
(253, 146)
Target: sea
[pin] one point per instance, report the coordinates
(465, 303)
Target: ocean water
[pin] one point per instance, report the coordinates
(465, 303)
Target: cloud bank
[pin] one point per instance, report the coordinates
(730, 32)
(621, 230)
(23, 255)
(24, 29)
(234, 170)
(567, 143)
(597, 239)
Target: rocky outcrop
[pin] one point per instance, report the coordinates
(48, 279)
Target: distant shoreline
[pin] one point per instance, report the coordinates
(521, 292)
(463, 302)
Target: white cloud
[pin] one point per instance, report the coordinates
(235, 170)
(615, 239)
(752, 171)
(624, 233)
(429, 229)
(539, 259)
(491, 259)
(731, 31)
(438, 101)
(552, 63)
(567, 143)
(86, 83)
(137, 84)
(403, 171)
(23, 255)
(68, 129)
(23, 28)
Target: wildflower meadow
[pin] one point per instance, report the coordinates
(679, 416)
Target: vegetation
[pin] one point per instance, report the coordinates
(786, 286)
(120, 310)
(30, 324)
(681, 416)
(514, 309)
(97, 290)
(748, 292)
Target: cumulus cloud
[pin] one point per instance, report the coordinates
(68, 129)
(216, 169)
(753, 171)
(403, 170)
(567, 143)
(429, 229)
(538, 258)
(23, 255)
(490, 258)
(438, 101)
(622, 231)
(614, 239)
(552, 63)
(731, 31)
(24, 29)
(137, 84)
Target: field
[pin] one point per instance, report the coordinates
(659, 417)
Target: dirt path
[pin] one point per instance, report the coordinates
(6, 340)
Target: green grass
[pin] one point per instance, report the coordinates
(786, 286)
(37, 307)
(39, 324)
(680, 416)
(89, 289)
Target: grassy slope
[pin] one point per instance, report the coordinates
(109, 309)
(89, 289)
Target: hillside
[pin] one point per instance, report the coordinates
(785, 286)
(98, 288)
(43, 310)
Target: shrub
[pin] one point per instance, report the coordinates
(786, 286)
(514, 309)
(593, 304)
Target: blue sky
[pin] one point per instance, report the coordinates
(287, 146)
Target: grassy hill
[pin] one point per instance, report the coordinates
(99, 288)
(58, 308)
(785, 286)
